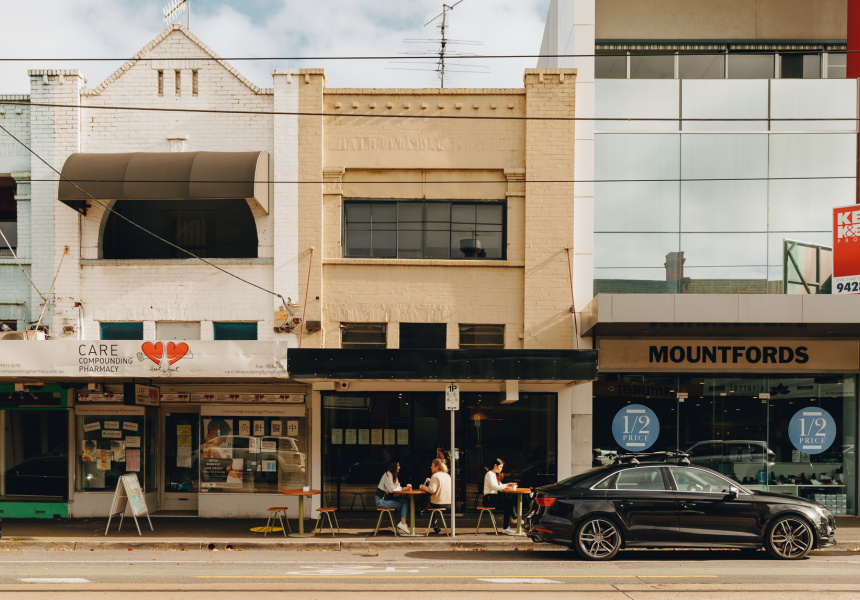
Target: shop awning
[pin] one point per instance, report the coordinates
(164, 176)
(567, 366)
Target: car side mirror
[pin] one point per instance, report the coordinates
(733, 492)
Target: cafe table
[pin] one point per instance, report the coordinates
(411, 494)
(520, 492)
(301, 494)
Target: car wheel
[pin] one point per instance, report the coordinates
(597, 539)
(789, 538)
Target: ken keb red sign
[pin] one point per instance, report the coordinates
(846, 250)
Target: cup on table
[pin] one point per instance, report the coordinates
(306, 488)
(513, 486)
(408, 486)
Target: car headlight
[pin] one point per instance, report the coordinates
(824, 512)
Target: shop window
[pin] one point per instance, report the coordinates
(482, 336)
(177, 330)
(423, 335)
(417, 229)
(214, 229)
(122, 331)
(363, 335)
(250, 453)
(8, 217)
(235, 331)
(35, 462)
(113, 441)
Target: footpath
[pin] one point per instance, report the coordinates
(192, 533)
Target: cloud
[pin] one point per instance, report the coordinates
(266, 28)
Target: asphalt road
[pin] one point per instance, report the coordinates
(424, 574)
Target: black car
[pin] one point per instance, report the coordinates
(660, 500)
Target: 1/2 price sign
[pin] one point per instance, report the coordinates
(635, 427)
(812, 430)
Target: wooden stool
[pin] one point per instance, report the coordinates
(327, 513)
(441, 513)
(489, 511)
(276, 511)
(385, 511)
(359, 496)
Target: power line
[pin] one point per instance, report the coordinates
(465, 117)
(142, 228)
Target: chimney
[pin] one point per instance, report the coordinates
(674, 266)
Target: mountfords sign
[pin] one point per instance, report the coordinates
(155, 359)
(759, 356)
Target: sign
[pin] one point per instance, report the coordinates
(846, 250)
(128, 494)
(812, 430)
(252, 411)
(142, 395)
(749, 356)
(452, 397)
(635, 427)
(223, 359)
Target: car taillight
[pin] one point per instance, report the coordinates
(545, 502)
(297, 459)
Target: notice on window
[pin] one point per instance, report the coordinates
(92, 426)
(117, 451)
(376, 437)
(363, 437)
(402, 437)
(244, 427)
(183, 456)
(132, 460)
(269, 446)
(389, 437)
(253, 445)
(259, 428)
(112, 433)
(270, 466)
(293, 428)
(90, 452)
(129, 426)
(103, 460)
(133, 441)
(111, 424)
(337, 437)
(350, 437)
(277, 427)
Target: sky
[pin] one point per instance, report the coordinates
(58, 29)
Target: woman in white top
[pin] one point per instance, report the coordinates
(439, 486)
(385, 498)
(492, 497)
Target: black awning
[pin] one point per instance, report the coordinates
(442, 365)
(165, 176)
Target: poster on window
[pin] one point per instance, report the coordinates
(363, 437)
(117, 451)
(402, 437)
(217, 451)
(350, 437)
(132, 460)
(277, 427)
(88, 454)
(846, 250)
(376, 437)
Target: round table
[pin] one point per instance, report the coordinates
(520, 492)
(411, 494)
(301, 494)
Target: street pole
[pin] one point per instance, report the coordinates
(453, 479)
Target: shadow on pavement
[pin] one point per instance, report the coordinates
(644, 556)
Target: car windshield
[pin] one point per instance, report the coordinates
(577, 479)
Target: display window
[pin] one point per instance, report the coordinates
(787, 434)
(247, 449)
(113, 441)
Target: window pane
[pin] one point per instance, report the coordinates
(358, 212)
(409, 243)
(357, 243)
(750, 66)
(358, 335)
(437, 244)
(618, 101)
(482, 336)
(235, 331)
(652, 67)
(122, 331)
(463, 213)
(800, 66)
(438, 212)
(610, 67)
(423, 335)
(384, 243)
(836, 65)
(701, 66)
(645, 478)
(384, 215)
(410, 215)
(696, 480)
(490, 213)
(725, 99)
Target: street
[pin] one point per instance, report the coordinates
(420, 574)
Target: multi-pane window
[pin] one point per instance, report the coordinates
(419, 229)
(122, 331)
(482, 336)
(363, 335)
(8, 218)
(235, 331)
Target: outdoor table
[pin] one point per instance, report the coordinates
(520, 492)
(301, 494)
(411, 494)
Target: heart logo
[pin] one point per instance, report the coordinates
(153, 352)
(176, 351)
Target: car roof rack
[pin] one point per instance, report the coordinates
(634, 458)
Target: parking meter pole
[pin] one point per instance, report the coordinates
(453, 479)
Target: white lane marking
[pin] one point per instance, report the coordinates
(523, 580)
(54, 580)
(353, 570)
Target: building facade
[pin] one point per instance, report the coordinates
(725, 134)
(240, 290)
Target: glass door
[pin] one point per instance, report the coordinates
(181, 457)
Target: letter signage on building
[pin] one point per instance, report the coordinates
(812, 430)
(635, 427)
(745, 356)
(846, 250)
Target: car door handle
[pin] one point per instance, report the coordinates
(625, 504)
(688, 505)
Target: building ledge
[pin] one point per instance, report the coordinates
(176, 262)
(423, 262)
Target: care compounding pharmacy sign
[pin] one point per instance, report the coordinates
(846, 250)
(812, 430)
(635, 428)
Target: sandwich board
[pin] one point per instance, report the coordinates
(128, 494)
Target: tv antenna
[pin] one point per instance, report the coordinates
(441, 66)
(175, 8)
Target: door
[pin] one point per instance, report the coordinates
(181, 456)
(708, 514)
(646, 505)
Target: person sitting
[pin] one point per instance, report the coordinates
(493, 499)
(439, 487)
(385, 494)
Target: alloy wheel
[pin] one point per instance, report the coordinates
(790, 538)
(598, 539)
